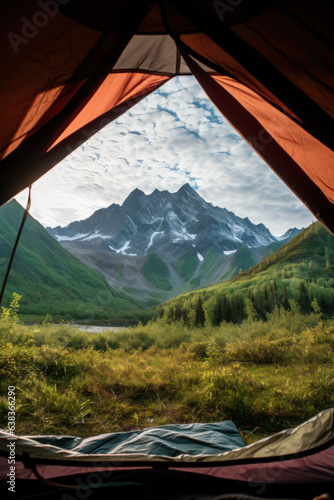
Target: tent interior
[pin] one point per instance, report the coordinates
(189, 461)
(70, 67)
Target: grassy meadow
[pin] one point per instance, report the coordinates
(265, 375)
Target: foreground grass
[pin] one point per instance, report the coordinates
(265, 376)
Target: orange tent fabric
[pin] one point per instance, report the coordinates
(69, 67)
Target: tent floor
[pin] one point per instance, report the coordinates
(162, 485)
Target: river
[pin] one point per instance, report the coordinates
(98, 329)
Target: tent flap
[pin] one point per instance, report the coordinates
(66, 67)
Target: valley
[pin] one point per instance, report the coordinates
(299, 276)
(165, 254)
(52, 281)
(156, 246)
(247, 349)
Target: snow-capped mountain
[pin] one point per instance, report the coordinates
(178, 228)
(166, 221)
(291, 233)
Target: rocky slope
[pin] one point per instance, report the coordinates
(165, 243)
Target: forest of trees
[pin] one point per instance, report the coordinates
(301, 274)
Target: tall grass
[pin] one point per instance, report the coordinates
(267, 375)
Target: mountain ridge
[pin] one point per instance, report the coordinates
(299, 275)
(138, 209)
(170, 225)
(51, 280)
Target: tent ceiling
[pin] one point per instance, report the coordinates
(69, 68)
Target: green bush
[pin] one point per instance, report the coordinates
(55, 363)
(198, 350)
(78, 341)
(263, 352)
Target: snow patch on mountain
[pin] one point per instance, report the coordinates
(70, 238)
(176, 225)
(289, 234)
(122, 249)
(92, 236)
(152, 238)
(182, 234)
(172, 222)
(82, 236)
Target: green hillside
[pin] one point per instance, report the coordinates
(156, 272)
(211, 260)
(295, 275)
(50, 279)
(186, 265)
(243, 260)
(207, 271)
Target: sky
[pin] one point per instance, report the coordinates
(174, 136)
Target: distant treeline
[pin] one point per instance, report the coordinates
(235, 307)
(301, 275)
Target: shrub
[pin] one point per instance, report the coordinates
(78, 341)
(100, 343)
(198, 350)
(55, 363)
(14, 362)
(263, 351)
(8, 315)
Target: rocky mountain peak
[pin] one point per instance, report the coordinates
(186, 188)
(170, 223)
(134, 195)
(181, 229)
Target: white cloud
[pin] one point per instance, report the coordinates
(172, 137)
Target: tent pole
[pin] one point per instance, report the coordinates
(24, 218)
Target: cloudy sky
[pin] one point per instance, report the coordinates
(172, 137)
